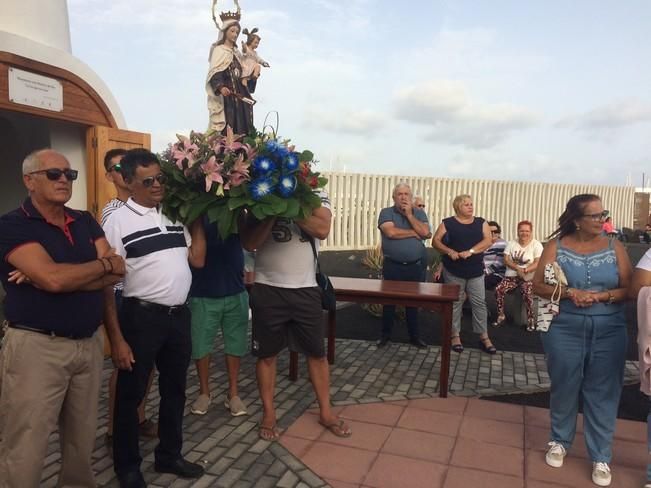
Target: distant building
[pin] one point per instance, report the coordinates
(49, 98)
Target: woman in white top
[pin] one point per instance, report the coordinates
(521, 259)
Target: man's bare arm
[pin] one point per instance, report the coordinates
(318, 224)
(33, 260)
(197, 251)
(254, 232)
(392, 232)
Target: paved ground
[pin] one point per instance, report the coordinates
(231, 451)
(453, 443)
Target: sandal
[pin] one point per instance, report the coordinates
(500, 321)
(484, 346)
(458, 348)
(338, 428)
(269, 434)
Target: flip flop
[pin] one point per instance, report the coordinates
(338, 428)
(269, 434)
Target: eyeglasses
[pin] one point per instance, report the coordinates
(598, 216)
(421, 205)
(54, 174)
(495, 232)
(149, 181)
(116, 167)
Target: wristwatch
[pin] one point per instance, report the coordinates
(611, 298)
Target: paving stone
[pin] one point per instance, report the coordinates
(288, 480)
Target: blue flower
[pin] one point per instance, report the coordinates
(291, 162)
(287, 185)
(263, 166)
(261, 187)
(276, 149)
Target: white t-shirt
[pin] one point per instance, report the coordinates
(645, 261)
(529, 253)
(155, 250)
(286, 259)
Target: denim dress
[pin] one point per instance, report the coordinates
(585, 350)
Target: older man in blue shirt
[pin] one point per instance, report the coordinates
(403, 227)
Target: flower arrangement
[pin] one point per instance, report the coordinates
(221, 175)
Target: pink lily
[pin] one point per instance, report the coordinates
(184, 150)
(212, 169)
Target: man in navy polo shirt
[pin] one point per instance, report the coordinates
(403, 228)
(55, 264)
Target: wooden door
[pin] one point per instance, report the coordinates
(99, 140)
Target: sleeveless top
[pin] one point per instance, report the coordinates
(461, 237)
(591, 272)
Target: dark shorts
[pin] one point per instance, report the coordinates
(286, 317)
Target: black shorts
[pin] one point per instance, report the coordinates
(287, 317)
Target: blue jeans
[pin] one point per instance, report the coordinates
(401, 272)
(586, 357)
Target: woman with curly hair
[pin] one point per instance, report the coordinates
(585, 346)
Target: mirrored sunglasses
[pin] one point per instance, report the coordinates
(149, 181)
(116, 167)
(54, 174)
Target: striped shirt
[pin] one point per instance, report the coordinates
(108, 209)
(156, 253)
(494, 259)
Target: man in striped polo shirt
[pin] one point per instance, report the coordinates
(154, 317)
(113, 166)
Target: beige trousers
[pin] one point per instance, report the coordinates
(44, 382)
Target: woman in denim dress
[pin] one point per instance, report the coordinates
(585, 346)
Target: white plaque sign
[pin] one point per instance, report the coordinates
(35, 90)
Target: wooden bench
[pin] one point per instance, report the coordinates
(430, 296)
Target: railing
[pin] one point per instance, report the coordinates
(358, 198)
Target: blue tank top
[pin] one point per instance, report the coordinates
(592, 272)
(462, 237)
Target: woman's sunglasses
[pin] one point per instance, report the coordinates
(149, 181)
(54, 174)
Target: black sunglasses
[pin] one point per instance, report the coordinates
(149, 181)
(421, 206)
(116, 167)
(495, 231)
(54, 174)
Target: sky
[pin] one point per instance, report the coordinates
(545, 90)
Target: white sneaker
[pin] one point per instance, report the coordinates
(201, 404)
(555, 454)
(236, 406)
(601, 474)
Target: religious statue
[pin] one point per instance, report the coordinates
(251, 62)
(229, 100)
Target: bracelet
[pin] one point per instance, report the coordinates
(101, 260)
(108, 260)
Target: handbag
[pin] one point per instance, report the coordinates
(549, 308)
(328, 297)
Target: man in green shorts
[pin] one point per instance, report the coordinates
(218, 300)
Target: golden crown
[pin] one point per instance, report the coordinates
(226, 16)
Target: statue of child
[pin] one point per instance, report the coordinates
(249, 59)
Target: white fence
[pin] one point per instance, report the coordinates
(358, 198)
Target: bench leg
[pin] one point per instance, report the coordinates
(446, 338)
(332, 326)
(293, 366)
